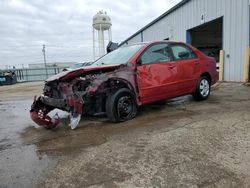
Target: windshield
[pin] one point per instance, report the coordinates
(119, 56)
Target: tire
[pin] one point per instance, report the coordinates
(203, 89)
(121, 105)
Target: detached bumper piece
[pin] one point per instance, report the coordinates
(39, 114)
(74, 120)
(43, 105)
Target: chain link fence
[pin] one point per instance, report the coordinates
(34, 74)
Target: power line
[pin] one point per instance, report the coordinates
(20, 56)
(54, 46)
(22, 46)
(78, 56)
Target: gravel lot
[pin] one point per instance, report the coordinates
(180, 144)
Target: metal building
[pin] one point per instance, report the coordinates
(209, 25)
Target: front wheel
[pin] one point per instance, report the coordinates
(202, 89)
(121, 105)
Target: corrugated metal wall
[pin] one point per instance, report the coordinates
(235, 15)
(135, 39)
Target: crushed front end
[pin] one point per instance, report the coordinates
(58, 95)
(77, 92)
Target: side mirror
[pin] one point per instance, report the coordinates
(183, 55)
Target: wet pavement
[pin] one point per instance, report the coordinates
(20, 163)
(182, 143)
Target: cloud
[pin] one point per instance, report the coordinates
(66, 27)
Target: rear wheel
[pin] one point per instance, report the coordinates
(202, 89)
(121, 105)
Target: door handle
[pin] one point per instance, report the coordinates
(196, 63)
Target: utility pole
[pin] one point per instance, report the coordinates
(44, 57)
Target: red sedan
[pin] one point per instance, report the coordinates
(124, 79)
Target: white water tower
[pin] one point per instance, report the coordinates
(101, 23)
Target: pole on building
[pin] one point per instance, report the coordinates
(246, 66)
(44, 58)
(221, 65)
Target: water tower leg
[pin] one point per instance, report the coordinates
(99, 41)
(103, 48)
(110, 35)
(93, 44)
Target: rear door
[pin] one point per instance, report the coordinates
(189, 67)
(156, 73)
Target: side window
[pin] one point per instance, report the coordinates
(182, 52)
(156, 53)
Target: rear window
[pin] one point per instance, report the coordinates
(181, 52)
(156, 53)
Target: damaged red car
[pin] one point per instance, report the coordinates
(119, 82)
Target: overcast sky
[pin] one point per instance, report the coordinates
(65, 27)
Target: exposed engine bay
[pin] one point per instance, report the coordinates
(79, 92)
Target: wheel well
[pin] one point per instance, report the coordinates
(110, 86)
(208, 76)
(121, 84)
(115, 84)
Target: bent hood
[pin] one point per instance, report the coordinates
(77, 72)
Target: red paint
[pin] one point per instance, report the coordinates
(149, 82)
(156, 81)
(38, 114)
(164, 80)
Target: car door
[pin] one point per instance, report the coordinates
(156, 73)
(189, 67)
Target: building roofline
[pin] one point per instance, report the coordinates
(180, 4)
